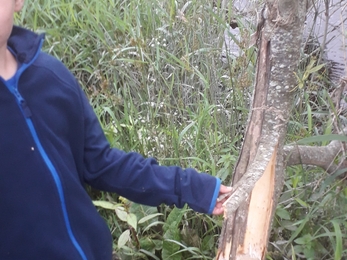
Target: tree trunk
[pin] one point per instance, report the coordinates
(259, 173)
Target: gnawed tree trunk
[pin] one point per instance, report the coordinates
(259, 173)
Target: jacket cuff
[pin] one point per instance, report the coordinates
(215, 196)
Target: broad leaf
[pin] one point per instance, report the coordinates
(124, 238)
(106, 204)
(132, 220)
(121, 214)
(171, 232)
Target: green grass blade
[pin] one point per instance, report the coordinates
(338, 236)
(322, 138)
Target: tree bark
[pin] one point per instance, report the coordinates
(259, 173)
(321, 156)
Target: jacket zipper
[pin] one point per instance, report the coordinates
(27, 115)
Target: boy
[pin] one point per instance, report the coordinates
(51, 144)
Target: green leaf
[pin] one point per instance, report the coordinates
(304, 240)
(301, 202)
(152, 255)
(170, 248)
(174, 219)
(322, 138)
(298, 230)
(121, 214)
(309, 253)
(282, 213)
(289, 225)
(106, 204)
(338, 246)
(315, 69)
(207, 243)
(149, 217)
(141, 211)
(331, 178)
(147, 244)
(184, 131)
(124, 238)
(171, 232)
(153, 224)
(132, 220)
(309, 117)
(328, 129)
(293, 253)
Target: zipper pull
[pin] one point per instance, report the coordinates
(26, 110)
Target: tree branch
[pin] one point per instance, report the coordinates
(321, 156)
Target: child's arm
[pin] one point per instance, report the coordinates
(139, 179)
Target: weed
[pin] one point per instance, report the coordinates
(154, 75)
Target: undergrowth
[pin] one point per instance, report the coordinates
(154, 74)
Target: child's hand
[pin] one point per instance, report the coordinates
(218, 209)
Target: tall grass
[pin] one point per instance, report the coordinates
(145, 65)
(152, 71)
(154, 75)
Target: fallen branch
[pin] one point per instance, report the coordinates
(321, 156)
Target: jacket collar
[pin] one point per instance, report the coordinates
(24, 43)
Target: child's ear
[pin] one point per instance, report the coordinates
(18, 5)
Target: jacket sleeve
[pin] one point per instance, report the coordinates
(141, 179)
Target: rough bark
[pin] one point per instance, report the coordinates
(326, 157)
(279, 35)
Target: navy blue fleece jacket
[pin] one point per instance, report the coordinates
(51, 145)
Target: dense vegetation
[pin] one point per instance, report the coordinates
(154, 73)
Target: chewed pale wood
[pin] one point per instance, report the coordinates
(259, 218)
